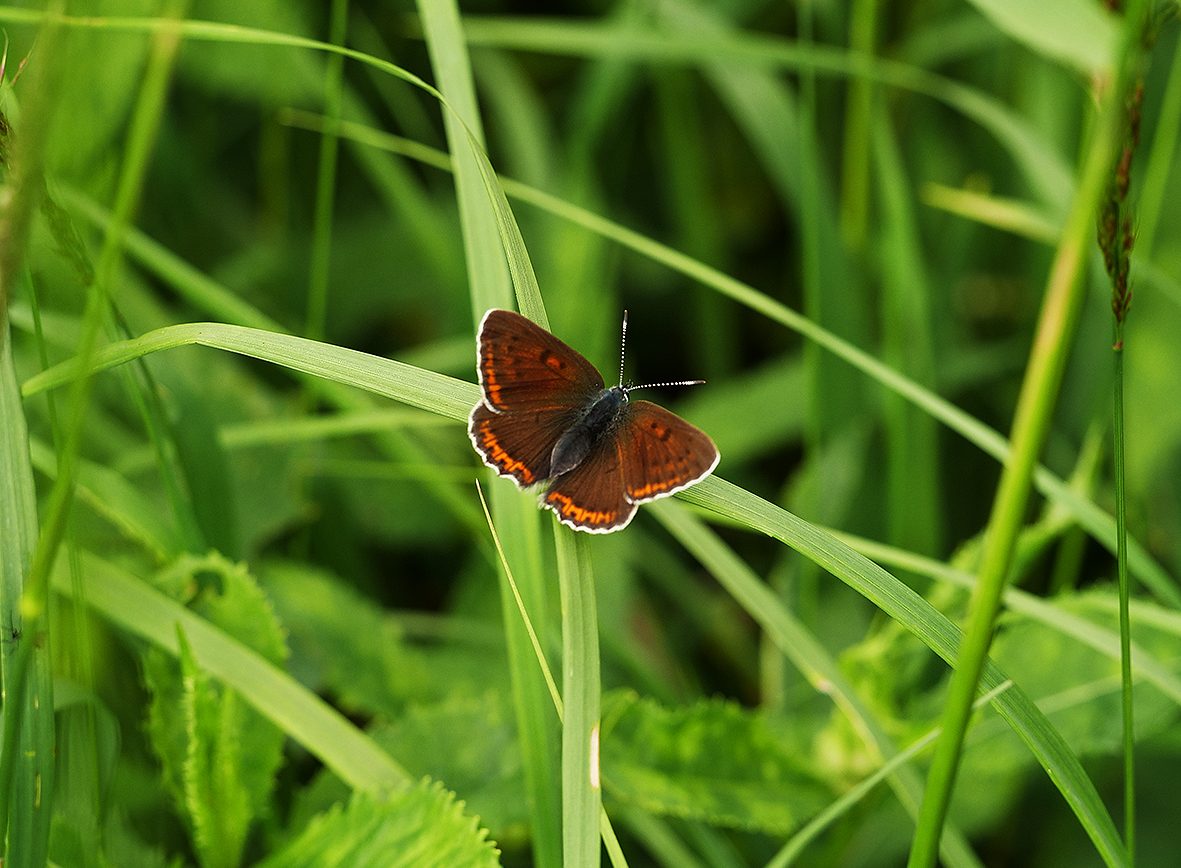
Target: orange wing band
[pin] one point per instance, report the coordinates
(567, 508)
(494, 452)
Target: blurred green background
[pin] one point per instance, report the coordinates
(896, 172)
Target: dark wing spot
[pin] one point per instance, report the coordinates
(551, 361)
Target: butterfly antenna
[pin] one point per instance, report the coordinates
(662, 385)
(622, 347)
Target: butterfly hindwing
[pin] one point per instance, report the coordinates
(591, 496)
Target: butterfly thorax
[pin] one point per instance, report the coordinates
(590, 426)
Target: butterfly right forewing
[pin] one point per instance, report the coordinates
(522, 367)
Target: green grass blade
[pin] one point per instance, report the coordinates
(1076, 32)
(488, 279)
(915, 515)
(581, 791)
(805, 651)
(935, 631)
(27, 683)
(414, 386)
(540, 735)
(1125, 625)
(317, 304)
(131, 604)
(1097, 522)
(490, 234)
(1055, 331)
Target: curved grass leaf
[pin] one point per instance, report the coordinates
(419, 388)
(936, 632)
(134, 606)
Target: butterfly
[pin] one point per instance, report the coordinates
(546, 417)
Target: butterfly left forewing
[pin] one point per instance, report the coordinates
(522, 367)
(661, 453)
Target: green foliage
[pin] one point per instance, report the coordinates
(250, 608)
(712, 761)
(219, 755)
(423, 826)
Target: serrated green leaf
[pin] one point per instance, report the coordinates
(423, 827)
(217, 807)
(469, 743)
(436, 741)
(713, 761)
(219, 755)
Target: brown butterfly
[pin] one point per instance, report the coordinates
(545, 416)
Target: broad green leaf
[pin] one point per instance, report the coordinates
(423, 827)
(712, 761)
(1079, 33)
(437, 740)
(344, 645)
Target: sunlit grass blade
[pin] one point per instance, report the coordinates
(488, 279)
(1031, 422)
(492, 241)
(414, 386)
(27, 686)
